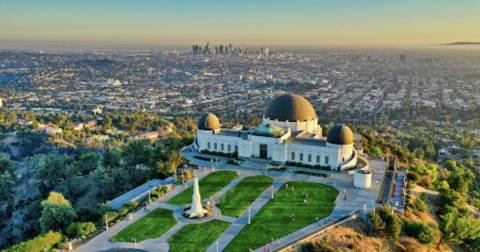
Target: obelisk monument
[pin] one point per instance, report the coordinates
(196, 210)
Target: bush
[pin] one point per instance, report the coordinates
(81, 229)
(420, 231)
(123, 211)
(377, 223)
(425, 181)
(187, 175)
(413, 177)
(111, 216)
(131, 205)
(40, 243)
(155, 195)
(393, 225)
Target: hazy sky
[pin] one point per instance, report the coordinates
(275, 22)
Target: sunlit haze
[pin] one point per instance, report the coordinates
(273, 23)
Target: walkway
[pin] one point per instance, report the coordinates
(348, 200)
(102, 241)
(240, 223)
(138, 192)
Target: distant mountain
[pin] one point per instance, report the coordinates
(462, 43)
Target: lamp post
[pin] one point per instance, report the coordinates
(106, 222)
(272, 196)
(217, 246)
(249, 215)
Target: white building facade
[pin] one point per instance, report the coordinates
(289, 133)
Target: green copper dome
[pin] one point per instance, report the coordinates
(269, 130)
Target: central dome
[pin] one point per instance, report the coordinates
(290, 107)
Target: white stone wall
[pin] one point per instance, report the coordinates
(314, 151)
(362, 180)
(206, 136)
(339, 156)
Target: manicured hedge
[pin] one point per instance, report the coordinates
(38, 244)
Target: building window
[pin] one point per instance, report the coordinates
(326, 159)
(236, 148)
(318, 158)
(228, 148)
(221, 146)
(301, 156)
(208, 145)
(215, 146)
(293, 155)
(309, 157)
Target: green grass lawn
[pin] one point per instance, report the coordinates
(237, 199)
(275, 219)
(197, 237)
(209, 185)
(152, 225)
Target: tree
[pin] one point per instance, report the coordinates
(57, 213)
(420, 231)
(457, 228)
(393, 225)
(81, 229)
(461, 179)
(136, 154)
(86, 163)
(377, 223)
(38, 244)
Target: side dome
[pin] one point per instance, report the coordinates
(290, 107)
(209, 121)
(340, 134)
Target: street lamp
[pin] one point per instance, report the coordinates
(106, 222)
(249, 222)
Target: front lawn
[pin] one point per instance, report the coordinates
(152, 225)
(209, 185)
(237, 199)
(286, 213)
(197, 237)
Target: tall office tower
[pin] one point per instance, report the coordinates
(207, 48)
(403, 58)
(195, 49)
(216, 50)
(221, 49)
(230, 47)
(265, 51)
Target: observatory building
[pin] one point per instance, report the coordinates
(289, 133)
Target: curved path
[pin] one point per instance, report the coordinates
(349, 199)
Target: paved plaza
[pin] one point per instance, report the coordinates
(349, 199)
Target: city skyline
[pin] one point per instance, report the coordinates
(271, 23)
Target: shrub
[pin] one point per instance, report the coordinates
(187, 175)
(123, 211)
(81, 229)
(413, 177)
(131, 205)
(111, 216)
(377, 223)
(425, 181)
(155, 195)
(393, 225)
(420, 231)
(40, 243)
(421, 205)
